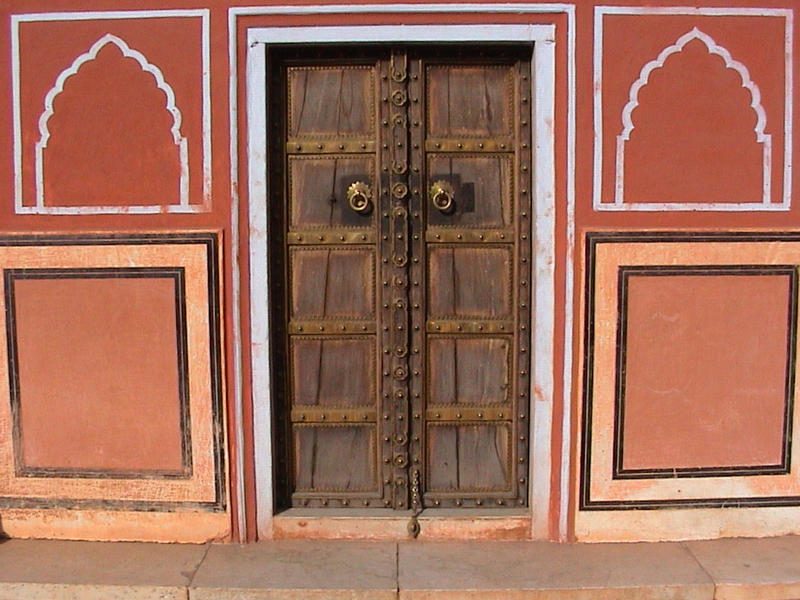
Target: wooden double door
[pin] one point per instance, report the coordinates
(400, 263)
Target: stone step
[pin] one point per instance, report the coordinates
(730, 569)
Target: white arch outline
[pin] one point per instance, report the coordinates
(713, 48)
(146, 66)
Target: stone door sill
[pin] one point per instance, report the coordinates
(391, 525)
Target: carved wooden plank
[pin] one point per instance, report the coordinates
(318, 190)
(469, 100)
(482, 190)
(470, 281)
(334, 458)
(331, 101)
(333, 371)
(468, 458)
(471, 371)
(332, 282)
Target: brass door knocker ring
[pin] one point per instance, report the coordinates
(442, 195)
(359, 197)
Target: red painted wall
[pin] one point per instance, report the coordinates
(699, 136)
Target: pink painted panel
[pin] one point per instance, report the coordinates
(705, 371)
(98, 373)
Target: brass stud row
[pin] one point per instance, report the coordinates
(306, 146)
(335, 328)
(524, 253)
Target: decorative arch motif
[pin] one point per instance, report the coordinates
(146, 66)
(730, 63)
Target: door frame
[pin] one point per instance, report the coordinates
(543, 267)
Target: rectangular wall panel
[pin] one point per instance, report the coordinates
(113, 408)
(689, 385)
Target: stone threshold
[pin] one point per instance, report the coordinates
(437, 524)
(729, 569)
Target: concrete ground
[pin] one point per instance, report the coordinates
(733, 569)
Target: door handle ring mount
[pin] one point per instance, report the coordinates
(359, 197)
(442, 195)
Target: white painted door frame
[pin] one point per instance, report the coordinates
(543, 167)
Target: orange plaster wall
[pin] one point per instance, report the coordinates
(173, 44)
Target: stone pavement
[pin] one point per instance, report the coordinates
(733, 569)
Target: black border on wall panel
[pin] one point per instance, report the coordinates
(177, 275)
(593, 239)
(624, 275)
(210, 240)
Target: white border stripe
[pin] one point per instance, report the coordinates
(765, 205)
(543, 325)
(180, 207)
(103, 15)
(694, 10)
(259, 286)
(406, 33)
(264, 478)
(328, 9)
(206, 36)
(16, 109)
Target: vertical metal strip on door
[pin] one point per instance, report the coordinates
(395, 257)
(416, 291)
